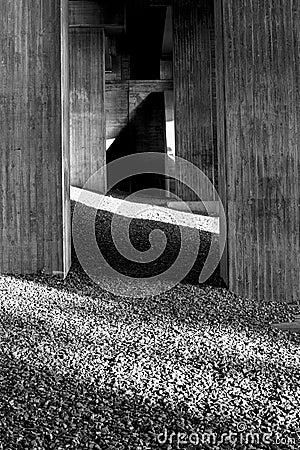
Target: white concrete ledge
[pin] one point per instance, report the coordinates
(210, 207)
(141, 209)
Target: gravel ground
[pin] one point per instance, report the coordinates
(196, 367)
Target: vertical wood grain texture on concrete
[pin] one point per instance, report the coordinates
(262, 107)
(87, 105)
(65, 119)
(34, 202)
(221, 124)
(194, 89)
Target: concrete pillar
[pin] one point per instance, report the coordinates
(34, 144)
(194, 91)
(87, 106)
(261, 96)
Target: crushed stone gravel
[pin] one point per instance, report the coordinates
(196, 367)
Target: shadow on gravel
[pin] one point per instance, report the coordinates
(139, 232)
(42, 410)
(64, 357)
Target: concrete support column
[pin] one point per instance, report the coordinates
(87, 103)
(34, 144)
(194, 91)
(259, 45)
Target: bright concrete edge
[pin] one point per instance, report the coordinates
(144, 210)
